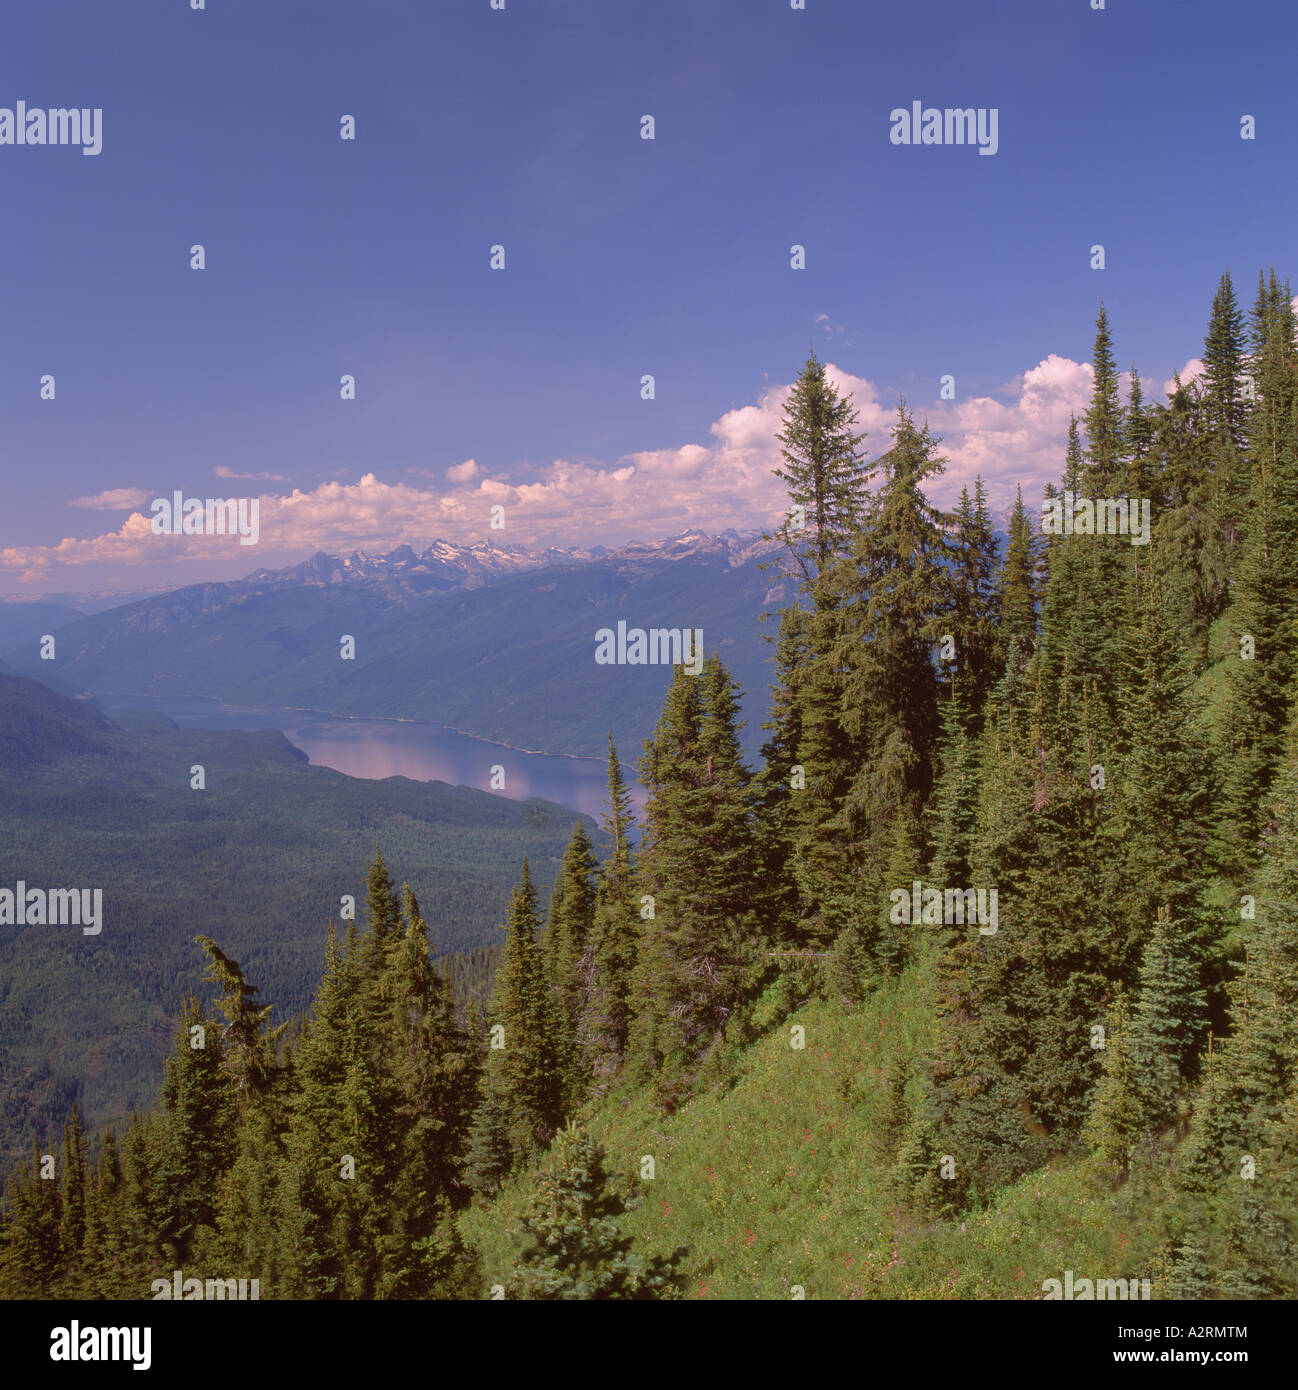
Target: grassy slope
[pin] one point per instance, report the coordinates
(785, 1180)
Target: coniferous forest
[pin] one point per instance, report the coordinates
(985, 973)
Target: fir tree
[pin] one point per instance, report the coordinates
(571, 919)
(607, 965)
(490, 1155)
(822, 469)
(574, 1249)
(703, 947)
(527, 1068)
(1115, 1126)
(1019, 592)
(1103, 417)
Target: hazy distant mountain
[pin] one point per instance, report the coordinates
(29, 622)
(497, 642)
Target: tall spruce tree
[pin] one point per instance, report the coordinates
(568, 930)
(606, 967)
(822, 469)
(704, 945)
(526, 1069)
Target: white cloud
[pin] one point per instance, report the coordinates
(1192, 371)
(117, 499)
(726, 481)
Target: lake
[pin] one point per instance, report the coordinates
(377, 748)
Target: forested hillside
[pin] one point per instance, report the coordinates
(987, 972)
(262, 856)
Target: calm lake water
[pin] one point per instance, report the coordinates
(377, 748)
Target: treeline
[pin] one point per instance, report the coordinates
(333, 1166)
(1101, 732)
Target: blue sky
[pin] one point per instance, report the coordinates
(623, 256)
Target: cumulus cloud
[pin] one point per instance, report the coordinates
(1192, 371)
(726, 481)
(117, 499)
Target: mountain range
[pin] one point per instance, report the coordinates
(498, 642)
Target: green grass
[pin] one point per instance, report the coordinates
(784, 1179)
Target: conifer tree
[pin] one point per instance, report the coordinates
(1115, 1126)
(781, 780)
(33, 1249)
(1019, 591)
(1168, 1021)
(1103, 416)
(704, 947)
(574, 1249)
(197, 1145)
(1137, 435)
(1265, 598)
(72, 1216)
(1074, 459)
(607, 965)
(822, 469)
(383, 912)
(571, 919)
(896, 590)
(527, 1068)
(433, 1088)
(827, 483)
(1225, 410)
(1164, 780)
(320, 1134)
(975, 606)
(490, 1155)
(248, 1044)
